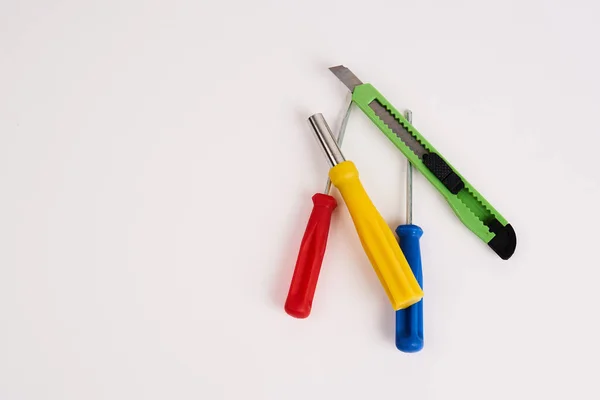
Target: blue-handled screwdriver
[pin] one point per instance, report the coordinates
(409, 321)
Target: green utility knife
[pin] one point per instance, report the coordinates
(469, 206)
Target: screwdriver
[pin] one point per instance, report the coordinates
(312, 248)
(376, 237)
(409, 322)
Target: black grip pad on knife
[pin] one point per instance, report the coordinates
(443, 172)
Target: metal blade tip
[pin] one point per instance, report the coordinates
(346, 76)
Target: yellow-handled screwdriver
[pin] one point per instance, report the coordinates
(375, 235)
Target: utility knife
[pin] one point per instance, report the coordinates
(473, 210)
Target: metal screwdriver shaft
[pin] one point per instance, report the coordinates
(340, 140)
(409, 322)
(409, 171)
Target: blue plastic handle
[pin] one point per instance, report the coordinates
(409, 321)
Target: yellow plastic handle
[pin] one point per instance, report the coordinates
(377, 239)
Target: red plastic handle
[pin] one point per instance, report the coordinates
(310, 257)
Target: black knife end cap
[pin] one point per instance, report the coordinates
(505, 242)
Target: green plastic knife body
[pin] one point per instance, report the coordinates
(469, 206)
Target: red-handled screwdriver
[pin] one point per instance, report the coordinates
(312, 249)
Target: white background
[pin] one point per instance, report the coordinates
(156, 175)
